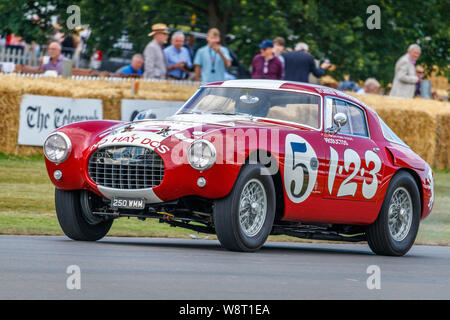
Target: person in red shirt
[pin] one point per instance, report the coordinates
(266, 65)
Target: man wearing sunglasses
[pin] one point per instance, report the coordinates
(266, 65)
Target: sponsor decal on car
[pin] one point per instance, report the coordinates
(149, 140)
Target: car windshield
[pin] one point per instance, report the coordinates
(289, 106)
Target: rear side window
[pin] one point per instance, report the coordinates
(389, 134)
(356, 123)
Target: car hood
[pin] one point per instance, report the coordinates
(185, 127)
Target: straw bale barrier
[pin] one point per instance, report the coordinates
(422, 124)
(439, 84)
(442, 157)
(12, 88)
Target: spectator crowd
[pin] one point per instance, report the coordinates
(181, 60)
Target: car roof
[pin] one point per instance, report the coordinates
(286, 85)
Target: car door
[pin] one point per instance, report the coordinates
(302, 159)
(354, 169)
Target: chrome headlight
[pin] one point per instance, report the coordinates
(201, 155)
(57, 147)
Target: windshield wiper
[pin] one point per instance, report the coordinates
(191, 112)
(233, 113)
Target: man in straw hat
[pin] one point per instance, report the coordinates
(155, 60)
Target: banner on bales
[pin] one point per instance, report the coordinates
(155, 108)
(40, 115)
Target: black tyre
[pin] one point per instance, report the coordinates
(75, 217)
(395, 230)
(244, 219)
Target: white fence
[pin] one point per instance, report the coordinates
(20, 56)
(26, 56)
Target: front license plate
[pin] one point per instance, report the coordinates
(128, 203)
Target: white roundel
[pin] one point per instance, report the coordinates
(300, 168)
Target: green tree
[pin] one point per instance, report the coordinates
(29, 19)
(333, 29)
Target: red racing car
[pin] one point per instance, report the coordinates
(245, 159)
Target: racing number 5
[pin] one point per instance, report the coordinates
(304, 174)
(300, 168)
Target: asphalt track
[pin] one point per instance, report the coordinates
(34, 267)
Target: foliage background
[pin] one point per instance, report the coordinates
(333, 29)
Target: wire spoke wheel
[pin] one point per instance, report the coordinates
(243, 220)
(253, 207)
(400, 214)
(394, 231)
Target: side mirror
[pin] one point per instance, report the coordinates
(340, 119)
(146, 114)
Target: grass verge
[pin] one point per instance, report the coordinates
(27, 207)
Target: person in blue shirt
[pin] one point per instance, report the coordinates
(212, 60)
(135, 68)
(178, 59)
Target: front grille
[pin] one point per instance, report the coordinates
(126, 167)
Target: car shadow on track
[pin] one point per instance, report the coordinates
(268, 248)
(317, 248)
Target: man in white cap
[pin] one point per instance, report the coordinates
(155, 60)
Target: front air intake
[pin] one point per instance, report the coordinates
(126, 167)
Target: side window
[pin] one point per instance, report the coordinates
(341, 106)
(358, 121)
(356, 124)
(299, 108)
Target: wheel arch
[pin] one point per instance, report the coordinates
(418, 182)
(269, 158)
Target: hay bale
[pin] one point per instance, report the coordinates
(329, 81)
(421, 123)
(442, 156)
(10, 97)
(438, 82)
(12, 88)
